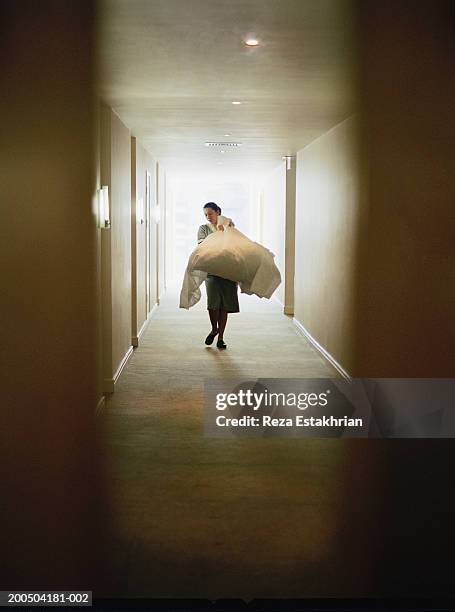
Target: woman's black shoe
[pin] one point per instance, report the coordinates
(210, 338)
(220, 344)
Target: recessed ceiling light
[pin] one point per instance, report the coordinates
(227, 134)
(252, 42)
(236, 102)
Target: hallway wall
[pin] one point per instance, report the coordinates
(98, 258)
(289, 261)
(115, 164)
(407, 275)
(142, 162)
(273, 216)
(406, 282)
(327, 217)
(170, 232)
(161, 200)
(52, 514)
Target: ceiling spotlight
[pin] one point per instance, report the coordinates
(252, 42)
(227, 135)
(236, 102)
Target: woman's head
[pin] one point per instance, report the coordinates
(211, 212)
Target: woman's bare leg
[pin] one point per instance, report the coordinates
(222, 320)
(214, 314)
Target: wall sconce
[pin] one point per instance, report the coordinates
(288, 159)
(140, 211)
(104, 218)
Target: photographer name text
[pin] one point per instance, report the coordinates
(298, 420)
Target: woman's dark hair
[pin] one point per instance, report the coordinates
(213, 206)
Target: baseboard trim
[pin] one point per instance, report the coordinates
(109, 383)
(123, 363)
(327, 356)
(135, 339)
(289, 310)
(101, 405)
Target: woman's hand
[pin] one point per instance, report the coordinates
(221, 227)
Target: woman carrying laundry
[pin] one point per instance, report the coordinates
(221, 293)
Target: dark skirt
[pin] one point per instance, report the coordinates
(221, 294)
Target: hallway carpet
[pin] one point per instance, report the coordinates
(200, 517)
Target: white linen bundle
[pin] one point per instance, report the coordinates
(230, 254)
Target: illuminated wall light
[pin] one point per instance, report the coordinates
(104, 217)
(288, 159)
(236, 102)
(140, 211)
(252, 42)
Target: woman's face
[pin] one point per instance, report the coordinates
(210, 215)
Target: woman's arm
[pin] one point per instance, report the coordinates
(202, 234)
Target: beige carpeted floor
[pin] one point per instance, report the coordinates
(201, 517)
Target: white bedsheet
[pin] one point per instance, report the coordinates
(230, 254)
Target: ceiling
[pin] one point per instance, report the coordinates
(171, 69)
